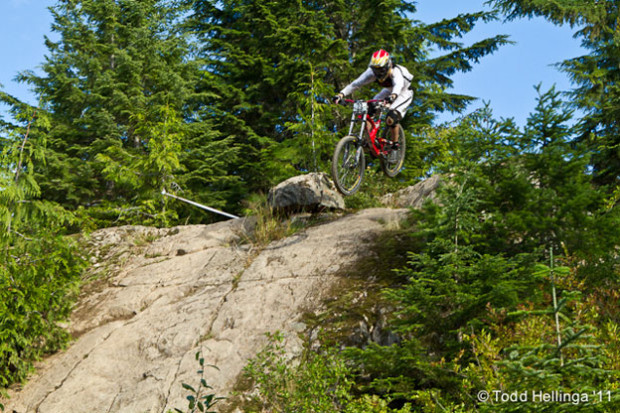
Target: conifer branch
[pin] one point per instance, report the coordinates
(556, 310)
(21, 150)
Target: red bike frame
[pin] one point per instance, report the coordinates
(376, 144)
(349, 159)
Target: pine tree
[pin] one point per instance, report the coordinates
(119, 87)
(567, 363)
(261, 54)
(595, 75)
(506, 192)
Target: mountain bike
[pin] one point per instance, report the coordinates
(349, 161)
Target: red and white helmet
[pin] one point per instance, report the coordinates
(380, 63)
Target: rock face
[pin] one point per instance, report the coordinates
(414, 196)
(310, 192)
(162, 295)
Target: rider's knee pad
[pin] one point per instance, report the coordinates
(392, 119)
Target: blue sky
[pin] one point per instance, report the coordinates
(23, 23)
(506, 79)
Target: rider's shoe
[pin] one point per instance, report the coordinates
(395, 146)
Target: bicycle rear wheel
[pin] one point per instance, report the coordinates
(348, 165)
(393, 162)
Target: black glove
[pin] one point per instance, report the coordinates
(372, 108)
(337, 98)
(391, 98)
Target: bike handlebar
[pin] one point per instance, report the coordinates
(378, 102)
(361, 100)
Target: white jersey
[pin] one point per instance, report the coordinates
(398, 82)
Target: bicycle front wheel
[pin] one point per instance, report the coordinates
(393, 162)
(348, 165)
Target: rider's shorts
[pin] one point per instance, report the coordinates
(401, 103)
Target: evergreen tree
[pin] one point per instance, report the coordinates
(272, 61)
(509, 193)
(119, 89)
(568, 361)
(595, 75)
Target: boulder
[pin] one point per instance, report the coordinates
(414, 196)
(309, 192)
(139, 324)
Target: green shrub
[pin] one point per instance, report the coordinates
(196, 399)
(39, 282)
(317, 382)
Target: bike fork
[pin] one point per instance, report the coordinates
(359, 153)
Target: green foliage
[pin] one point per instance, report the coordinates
(268, 224)
(568, 361)
(533, 186)
(197, 401)
(595, 75)
(374, 187)
(316, 383)
(310, 144)
(319, 383)
(218, 100)
(507, 194)
(545, 350)
(39, 267)
(215, 100)
(120, 95)
(39, 281)
(373, 404)
(271, 62)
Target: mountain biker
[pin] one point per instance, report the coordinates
(396, 92)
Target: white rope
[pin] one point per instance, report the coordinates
(196, 204)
